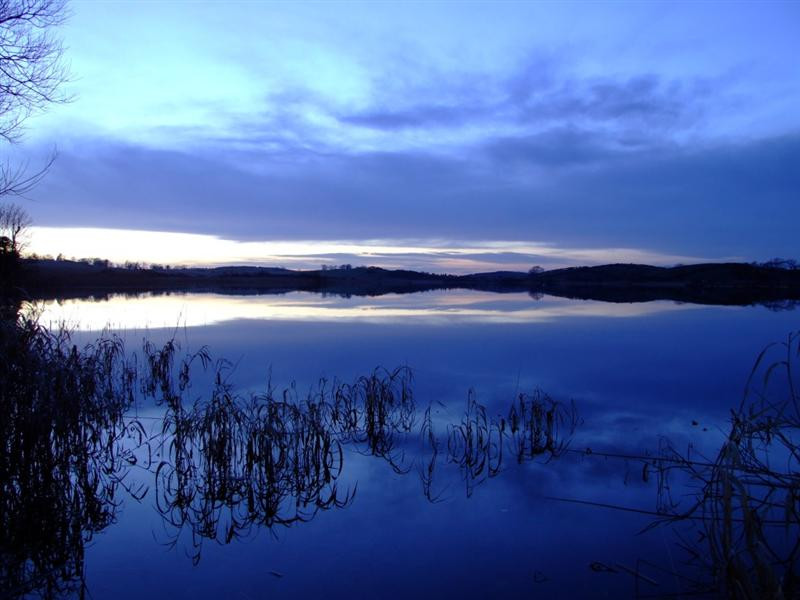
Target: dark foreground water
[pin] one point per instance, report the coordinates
(427, 514)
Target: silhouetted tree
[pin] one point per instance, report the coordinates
(14, 222)
(535, 270)
(781, 263)
(5, 245)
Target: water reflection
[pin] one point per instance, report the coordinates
(63, 461)
(230, 466)
(535, 426)
(222, 464)
(735, 509)
(742, 524)
(452, 306)
(373, 411)
(232, 463)
(222, 467)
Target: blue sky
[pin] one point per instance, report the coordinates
(449, 136)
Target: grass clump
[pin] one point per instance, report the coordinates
(61, 461)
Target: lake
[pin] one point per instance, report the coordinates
(446, 499)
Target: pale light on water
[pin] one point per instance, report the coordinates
(192, 310)
(636, 374)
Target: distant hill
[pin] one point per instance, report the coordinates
(709, 283)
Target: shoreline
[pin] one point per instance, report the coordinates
(705, 283)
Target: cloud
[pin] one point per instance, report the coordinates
(536, 96)
(721, 200)
(645, 99)
(423, 115)
(560, 147)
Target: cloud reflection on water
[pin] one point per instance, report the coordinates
(438, 307)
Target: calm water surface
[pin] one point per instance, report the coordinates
(636, 373)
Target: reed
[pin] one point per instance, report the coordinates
(220, 465)
(737, 512)
(747, 508)
(62, 462)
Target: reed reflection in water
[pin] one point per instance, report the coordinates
(65, 456)
(225, 465)
(222, 467)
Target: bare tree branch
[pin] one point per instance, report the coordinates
(31, 73)
(31, 66)
(17, 180)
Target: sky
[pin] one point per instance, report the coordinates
(441, 136)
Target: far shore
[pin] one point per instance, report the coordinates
(706, 283)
